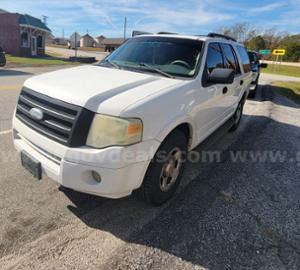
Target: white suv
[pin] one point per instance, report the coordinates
(126, 123)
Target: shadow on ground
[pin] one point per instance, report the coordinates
(290, 100)
(227, 214)
(12, 72)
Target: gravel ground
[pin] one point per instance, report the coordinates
(226, 215)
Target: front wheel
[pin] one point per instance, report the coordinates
(165, 170)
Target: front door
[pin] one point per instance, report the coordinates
(210, 99)
(33, 46)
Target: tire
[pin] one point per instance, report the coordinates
(237, 116)
(168, 162)
(252, 93)
(2, 62)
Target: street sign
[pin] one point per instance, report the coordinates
(265, 52)
(278, 52)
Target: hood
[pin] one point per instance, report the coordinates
(99, 89)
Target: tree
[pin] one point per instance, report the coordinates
(242, 32)
(273, 38)
(292, 46)
(257, 43)
(292, 52)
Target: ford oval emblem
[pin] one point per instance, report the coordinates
(36, 113)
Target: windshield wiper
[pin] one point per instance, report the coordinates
(156, 70)
(112, 64)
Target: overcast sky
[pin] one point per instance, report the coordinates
(106, 17)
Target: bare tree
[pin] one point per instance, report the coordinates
(240, 31)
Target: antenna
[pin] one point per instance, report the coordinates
(45, 19)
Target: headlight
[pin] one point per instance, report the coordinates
(110, 131)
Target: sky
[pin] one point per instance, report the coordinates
(106, 17)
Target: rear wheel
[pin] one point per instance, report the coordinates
(165, 170)
(237, 116)
(252, 93)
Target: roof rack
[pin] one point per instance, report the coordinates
(166, 33)
(138, 33)
(214, 35)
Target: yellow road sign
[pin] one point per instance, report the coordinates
(278, 52)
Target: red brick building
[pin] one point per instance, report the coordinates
(22, 35)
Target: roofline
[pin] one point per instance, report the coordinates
(34, 27)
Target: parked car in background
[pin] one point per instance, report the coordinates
(2, 58)
(255, 67)
(126, 124)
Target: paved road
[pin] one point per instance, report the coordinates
(67, 53)
(274, 77)
(284, 63)
(227, 214)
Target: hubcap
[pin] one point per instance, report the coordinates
(171, 169)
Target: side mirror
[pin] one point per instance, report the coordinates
(263, 65)
(221, 76)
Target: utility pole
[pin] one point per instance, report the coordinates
(125, 27)
(76, 44)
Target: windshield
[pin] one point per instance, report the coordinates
(164, 56)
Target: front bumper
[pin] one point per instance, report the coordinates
(122, 169)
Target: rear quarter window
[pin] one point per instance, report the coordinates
(244, 58)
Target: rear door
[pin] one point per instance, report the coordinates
(246, 69)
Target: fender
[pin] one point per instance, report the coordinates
(175, 122)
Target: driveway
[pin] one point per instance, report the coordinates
(232, 212)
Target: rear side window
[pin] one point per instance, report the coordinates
(253, 57)
(230, 59)
(244, 58)
(214, 57)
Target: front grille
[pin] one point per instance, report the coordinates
(62, 122)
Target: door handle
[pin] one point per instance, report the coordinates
(225, 90)
(241, 82)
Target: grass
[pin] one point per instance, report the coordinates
(282, 70)
(288, 89)
(36, 61)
